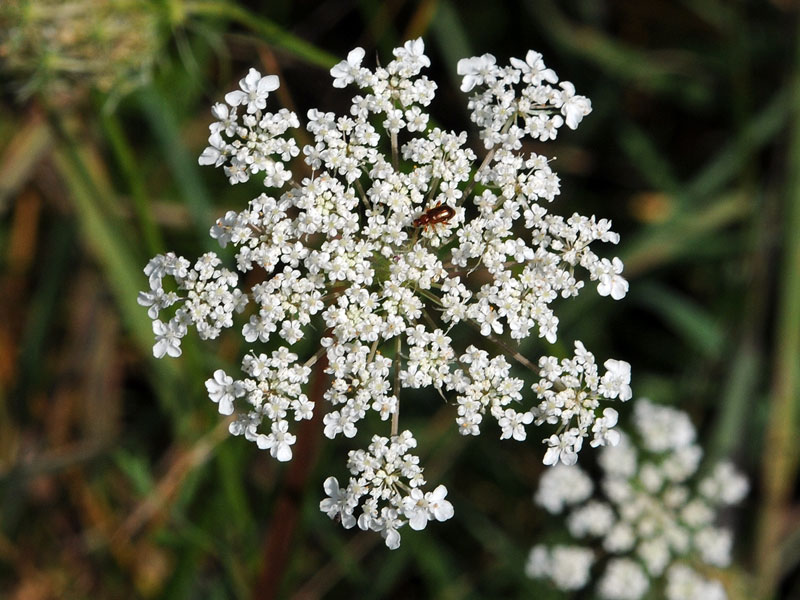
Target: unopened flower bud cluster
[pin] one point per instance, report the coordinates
(657, 519)
(397, 236)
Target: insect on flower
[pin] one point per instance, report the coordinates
(434, 216)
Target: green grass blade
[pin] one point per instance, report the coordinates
(669, 241)
(681, 80)
(123, 153)
(451, 38)
(163, 121)
(121, 265)
(697, 327)
(649, 160)
(102, 235)
(727, 164)
(271, 32)
(780, 456)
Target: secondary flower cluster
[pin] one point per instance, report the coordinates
(654, 522)
(396, 238)
(570, 393)
(389, 478)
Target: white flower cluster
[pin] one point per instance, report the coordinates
(273, 388)
(540, 108)
(653, 523)
(211, 298)
(256, 139)
(395, 238)
(570, 392)
(388, 479)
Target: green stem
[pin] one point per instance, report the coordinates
(373, 350)
(516, 355)
(398, 346)
(362, 194)
(486, 160)
(395, 151)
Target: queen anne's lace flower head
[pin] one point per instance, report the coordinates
(397, 237)
(656, 516)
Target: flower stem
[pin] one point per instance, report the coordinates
(487, 159)
(395, 152)
(513, 353)
(373, 350)
(360, 189)
(310, 362)
(277, 543)
(398, 346)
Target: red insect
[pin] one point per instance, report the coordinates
(434, 216)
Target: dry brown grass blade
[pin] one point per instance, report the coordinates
(154, 508)
(420, 21)
(20, 256)
(31, 142)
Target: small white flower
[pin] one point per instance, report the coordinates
(512, 424)
(254, 91)
(611, 282)
(593, 519)
(616, 381)
(573, 107)
(570, 567)
(562, 486)
(414, 52)
(683, 583)
(725, 484)
(168, 339)
(420, 508)
(335, 506)
(534, 70)
(602, 429)
(564, 448)
(222, 390)
(279, 441)
(623, 579)
(475, 71)
(344, 73)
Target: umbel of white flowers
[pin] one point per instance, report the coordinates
(656, 521)
(397, 237)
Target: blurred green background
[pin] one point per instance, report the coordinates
(117, 477)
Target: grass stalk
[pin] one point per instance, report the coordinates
(779, 456)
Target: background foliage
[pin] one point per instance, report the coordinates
(117, 478)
